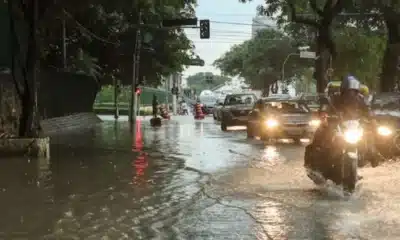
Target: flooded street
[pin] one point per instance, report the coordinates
(186, 180)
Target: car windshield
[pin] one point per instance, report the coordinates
(239, 99)
(285, 107)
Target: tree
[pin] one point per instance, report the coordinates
(320, 21)
(260, 60)
(382, 17)
(101, 52)
(359, 52)
(199, 82)
(24, 19)
(113, 28)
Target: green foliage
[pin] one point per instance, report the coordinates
(360, 52)
(106, 96)
(199, 83)
(358, 33)
(106, 31)
(259, 60)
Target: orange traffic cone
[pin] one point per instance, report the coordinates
(198, 111)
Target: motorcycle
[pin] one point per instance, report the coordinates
(341, 165)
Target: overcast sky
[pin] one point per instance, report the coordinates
(230, 25)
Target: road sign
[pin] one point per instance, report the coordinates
(306, 54)
(179, 22)
(197, 62)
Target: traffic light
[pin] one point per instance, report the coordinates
(205, 29)
(138, 91)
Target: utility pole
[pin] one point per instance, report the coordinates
(116, 94)
(167, 90)
(174, 94)
(64, 42)
(135, 72)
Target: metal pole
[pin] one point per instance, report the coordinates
(168, 90)
(174, 96)
(135, 72)
(283, 64)
(116, 93)
(64, 43)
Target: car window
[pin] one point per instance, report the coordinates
(286, 107)
(239, 99)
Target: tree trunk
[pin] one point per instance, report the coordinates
(322, 63)
(26, 81)
(391, 60)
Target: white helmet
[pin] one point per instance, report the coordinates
(350, 83)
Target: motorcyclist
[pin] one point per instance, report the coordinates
(155, 106)
(348, 101)
(184, 108)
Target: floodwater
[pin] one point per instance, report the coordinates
(186, 180)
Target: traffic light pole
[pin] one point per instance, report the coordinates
(116, 94)
(135, 73)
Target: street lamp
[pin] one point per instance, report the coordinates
(303, 54)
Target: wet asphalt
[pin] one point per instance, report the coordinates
(186, 180)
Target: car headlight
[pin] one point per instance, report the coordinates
(353, 135)
(315, 122)
(384, 131)
(271, 123)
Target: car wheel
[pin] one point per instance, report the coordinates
(250, 133)
(224, 127)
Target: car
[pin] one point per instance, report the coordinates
(217, 109)
(386, 112)
(208, 99)
(312, 99)
(235, 109)
(273, 118)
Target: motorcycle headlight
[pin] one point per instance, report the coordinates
(384, 131)
(271, 123)
(315, 123)
(353, 135)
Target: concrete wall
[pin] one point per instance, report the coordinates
(60, 94)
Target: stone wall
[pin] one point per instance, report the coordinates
(60, 94)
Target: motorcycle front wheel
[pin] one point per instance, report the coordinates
(349, 178)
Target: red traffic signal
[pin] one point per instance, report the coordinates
(138, 91)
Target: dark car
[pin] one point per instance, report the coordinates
(386, 108)
(235, 109)
(281, 118)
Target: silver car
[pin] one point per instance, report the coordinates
(235, 109)
(274, 119)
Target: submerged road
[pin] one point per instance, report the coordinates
(186, 180)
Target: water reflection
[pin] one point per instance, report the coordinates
(140, 160)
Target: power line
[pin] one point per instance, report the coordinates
(218, 31)
(244, 24)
